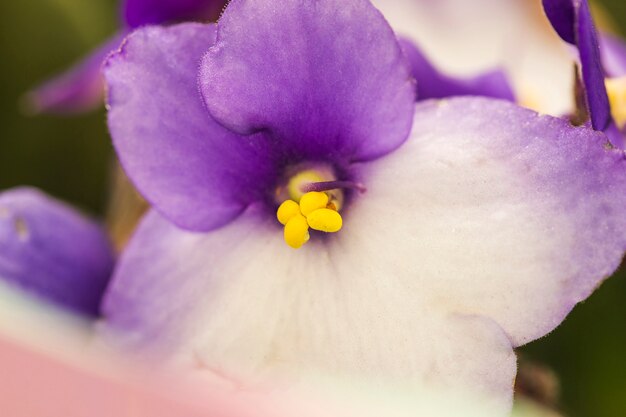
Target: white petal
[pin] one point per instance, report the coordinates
(240, 302)
(492, 209)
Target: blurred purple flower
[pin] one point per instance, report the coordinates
(81, 88)
(431, 83)
(471, 226)
(500, 39)
(52, 251)
(573, 21)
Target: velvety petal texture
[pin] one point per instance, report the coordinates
(79, 89)
(145, 12)
(480, 233)
(433, 84)
(194, 171)
(463, 38)
(52, 251)
(323, 78)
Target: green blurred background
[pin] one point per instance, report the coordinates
(70, 157)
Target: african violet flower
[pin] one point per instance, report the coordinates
(50, 250)
(81, 88)
(573, 21)
(470, 226)
(464, 38)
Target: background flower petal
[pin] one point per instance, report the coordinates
(326, 78)
(433, 84)
(592, 70)
(79, 89)
(146, 12)
(195, 172)
(501, 212)
(52, 251)
(562, 15)
(465, 38)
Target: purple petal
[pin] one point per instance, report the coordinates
(562, 15)
(613, 51)
(195, 172)
(573, 22)
(145, 12)
(323, 77)
(77, 90)
(50, 250)
(433, 84)
(592, 71)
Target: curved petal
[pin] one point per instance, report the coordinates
(592, 70)
(194, 171)
(79, 89)
(331, 81)
(503, 212)
(433, 84)
(53, 252)
(584, 36)
(147, 12)
(464, 38)
(562, 15)
(613, 50)
(238, 302)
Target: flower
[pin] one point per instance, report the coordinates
(465, 38)
(53, 252)
(470, 226)
(81, 87)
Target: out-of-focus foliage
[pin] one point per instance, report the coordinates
(70, 157)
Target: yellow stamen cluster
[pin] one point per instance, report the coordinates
(314, 211)
(616, 89)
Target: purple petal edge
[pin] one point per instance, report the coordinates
(592, 71)
(562, 16)
(146, 12)
(433, 84)
(51, 251)
(573, 22)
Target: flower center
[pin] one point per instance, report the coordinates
(314, 201)
(616, 89)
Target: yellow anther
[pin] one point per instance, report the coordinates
(313, 201)
(325, 220)
(296, 182)
(287, 211)
(616, 89)
(296, 231)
